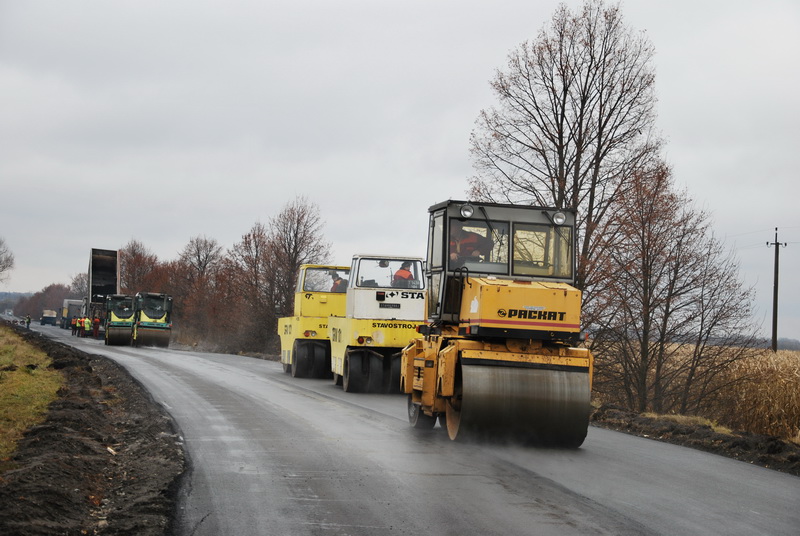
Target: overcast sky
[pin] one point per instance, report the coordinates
(164, 120)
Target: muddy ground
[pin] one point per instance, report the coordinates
(106, 461)
(109, 461)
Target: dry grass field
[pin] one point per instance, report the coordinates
(27, 387)
(766, 396)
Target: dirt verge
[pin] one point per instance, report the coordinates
(766, 451)
(106, 461)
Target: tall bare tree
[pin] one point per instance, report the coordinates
(201, 256)
(6, 260)
(295, 238)
(574, 121)
(251, 263)
(668, 316)
(79, 286)
(136, 263)
(197, 310)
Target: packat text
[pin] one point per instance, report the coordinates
(532, 315)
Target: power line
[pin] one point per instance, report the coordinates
(759, 231)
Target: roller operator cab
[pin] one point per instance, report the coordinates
(152, 319)
(305, 347)
(119, 319)
(499, 356)
(385, 306)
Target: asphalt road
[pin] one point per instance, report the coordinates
(271, 454)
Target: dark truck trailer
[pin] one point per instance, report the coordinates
(103, 282)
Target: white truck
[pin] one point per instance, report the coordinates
(385, 303)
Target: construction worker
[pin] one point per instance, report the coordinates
(87, 326)
(339, 283)
(466, 244)
(74, 324)
(27, 321)
(96, 327)
(403, 277)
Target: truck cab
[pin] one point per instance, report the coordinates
(385, 305)
(319, 293)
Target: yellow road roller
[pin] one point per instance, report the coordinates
(500, 356)
(305, 347)
(119, 320)
(152, 313)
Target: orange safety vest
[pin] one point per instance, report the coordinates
(403, 274)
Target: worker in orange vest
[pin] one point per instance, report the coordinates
(74, 324)
(96, 327)
(403, 277)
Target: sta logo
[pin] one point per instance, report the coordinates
(501, 313)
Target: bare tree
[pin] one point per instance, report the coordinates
(201, 256)
(721, 334)
(193, 285)
(664, 321)
(295, 238)
(6, 260)
(79, 286)
(136, 263)
(251, 268)
(574, 123)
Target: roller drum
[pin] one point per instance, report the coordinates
(153, 337)
(541, 406)
(118, 336)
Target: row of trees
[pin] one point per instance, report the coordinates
(226, 300)
(575, 128)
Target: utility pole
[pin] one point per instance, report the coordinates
(775, 292)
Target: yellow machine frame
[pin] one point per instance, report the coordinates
(382, 316)
(500, 350)
(306, 333)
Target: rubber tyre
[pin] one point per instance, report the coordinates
(300, 361)
(417, 418)
(376, 379)
(316, 355)
(353, 377)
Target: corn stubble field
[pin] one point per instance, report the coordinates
(766, 399)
